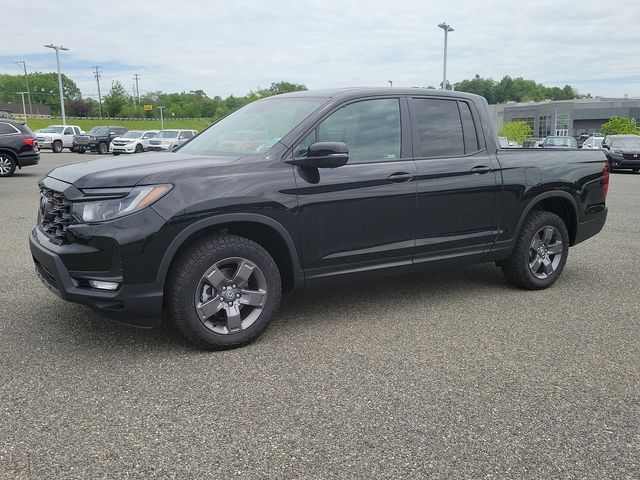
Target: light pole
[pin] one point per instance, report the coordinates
(26, 79)
(390, 82)
(447, 29)
(57, 49)
(24, 108)
(161, 118)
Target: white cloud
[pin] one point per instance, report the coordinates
(227, 47)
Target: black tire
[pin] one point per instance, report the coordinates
(103, 148)
(518, 268)
(636, 170)
(139, 148)
(80, 150)
(56, 146)
(183, 289)
(71, 149)
(115, 154)
(8, 164)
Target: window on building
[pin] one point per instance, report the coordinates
(544, 126)
(531, 121)
(562, 121)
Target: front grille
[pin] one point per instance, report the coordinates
(631, 156)
(82, 140)
(55, 215)
(118, 144)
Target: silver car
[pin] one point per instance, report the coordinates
(170, 139)
(134, 141)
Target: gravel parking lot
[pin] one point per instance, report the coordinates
(448, 375)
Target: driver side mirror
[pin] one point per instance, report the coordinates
(323, 155)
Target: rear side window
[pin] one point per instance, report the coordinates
(469, 129)
(437, 129)
(7, 129)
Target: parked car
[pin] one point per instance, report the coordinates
(514, 144)
(97, 139)
(504, 142)
(134, 141)
(18, 147)
(170, 139)
(57, 137)
(559, 142)
(622, 151)
(307, 188)
(592, 143)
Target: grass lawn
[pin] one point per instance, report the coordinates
(86, 125)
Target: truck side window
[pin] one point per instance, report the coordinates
(370, 128)
(68, 131)
(468, 129)
(439, 129)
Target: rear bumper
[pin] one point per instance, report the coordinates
(138, 305)
(592, 226)
(26, 159)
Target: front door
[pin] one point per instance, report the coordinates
(360, 217)
(457, 181)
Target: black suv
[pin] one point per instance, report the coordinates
(97, 139)
(304, 188)
(622, 151)
(18, 147)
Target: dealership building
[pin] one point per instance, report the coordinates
(566, 117)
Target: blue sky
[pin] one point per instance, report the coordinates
(228, 48)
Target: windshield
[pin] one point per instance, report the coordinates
(131, 134)
(98, 131)
(254, 128)
(561, 141)
(628, 142)
(167, 134)
(53, 130)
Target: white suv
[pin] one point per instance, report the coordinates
(169, 139)
(134, 141)
(57, 137)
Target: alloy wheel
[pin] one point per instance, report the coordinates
(231, 295)
(6, 164)
(545, 252)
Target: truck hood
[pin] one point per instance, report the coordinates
(125, 171)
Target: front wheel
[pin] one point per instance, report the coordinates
(540, 253)
(102, 148)
(223, 292)
(56, 146)
(79, 150)
(139, 148)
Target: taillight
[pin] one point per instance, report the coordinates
(605, 178)
(31, 142)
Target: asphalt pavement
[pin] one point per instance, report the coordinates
(454, 374)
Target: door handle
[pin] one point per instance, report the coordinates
(399, 177)
(481, 169)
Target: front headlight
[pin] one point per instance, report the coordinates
(47, 139)
(106, 209)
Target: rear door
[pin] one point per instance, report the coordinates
(360, 217)
(457, 181)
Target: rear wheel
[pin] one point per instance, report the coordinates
(223, 292)
(56, 146)
(540, 253)
(636, 170)
(102, 148)
(7, 165)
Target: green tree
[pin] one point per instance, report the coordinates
(115, 101)
(516, 131)
(618, 126)
(43, 88)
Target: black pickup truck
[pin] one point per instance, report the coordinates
(304, 188)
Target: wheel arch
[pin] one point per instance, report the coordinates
(267, 232)
(559, 202)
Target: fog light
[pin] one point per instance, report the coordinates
(101, 285)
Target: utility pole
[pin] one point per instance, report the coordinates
(57, 49)
(24, 109)
(161, 118)
(137, 77)
(447, 29)
(390, 83)
(96, 74)
(26, 79)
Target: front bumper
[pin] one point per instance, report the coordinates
(122, 148)
(622, 163)
(159, 148)
(117, 257)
